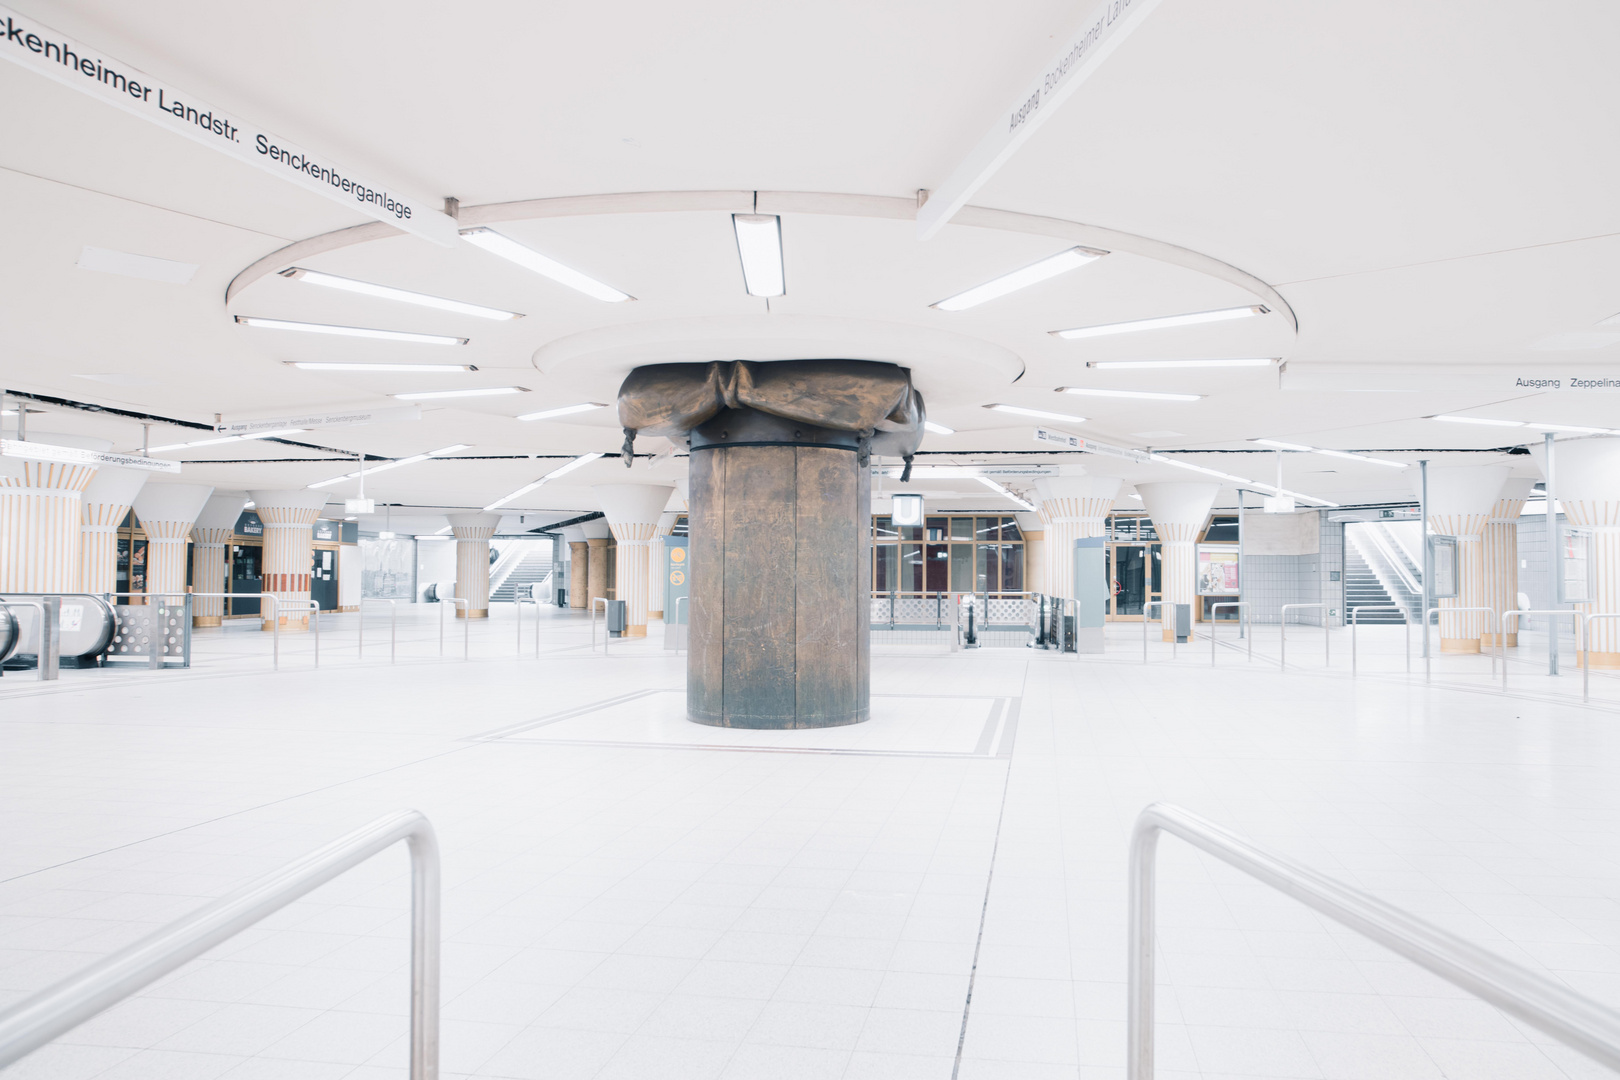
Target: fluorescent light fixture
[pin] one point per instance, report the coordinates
(1478, 420)
(482, 391)
(403, 296)
(1050, 267)
(759, 245)
(385, 466)
(566, 410)
(1146, 395)
(562, 470)
(1570, 427)
(1195, 319)
(325, 365)
(530, 259)
(225, 439)
(1139, 365)
(349, 331)
(998, 489)
(1346, 455)
(938, 429)
(108, 261)
(1162, 459)
(1041, 413)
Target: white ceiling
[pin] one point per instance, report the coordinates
(1429, 189)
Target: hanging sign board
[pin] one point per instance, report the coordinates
(1090, 446)
(1105, 27)
(1575, 583)
(75, 455)
(317, 418)
(60, 58)
(1218, 571)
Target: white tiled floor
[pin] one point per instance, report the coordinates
(628, 895)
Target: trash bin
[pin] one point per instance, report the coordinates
(615, 617)
(1183, 623)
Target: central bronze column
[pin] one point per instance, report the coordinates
(779, 523)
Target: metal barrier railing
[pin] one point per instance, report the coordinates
(53, 1012)
(681, 640)
(1512, 613)
(520, 601)
(314, 609)
(275, 618)
(606, 633)
(393, 626)
(1213, 622)
(1428, 653)
(1160, 605)
(1355, 621)
(1282, 629)
(1573, 1019)
(48, 659)
(461, 605)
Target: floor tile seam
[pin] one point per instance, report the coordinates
(984, 910)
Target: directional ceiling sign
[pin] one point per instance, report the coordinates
(320, 418)
(1106, 26)
(56, 56)
(75, 455)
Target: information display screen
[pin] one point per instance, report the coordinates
(1218, 573)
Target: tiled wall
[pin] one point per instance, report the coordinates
(1270, 581)
(1533, 567)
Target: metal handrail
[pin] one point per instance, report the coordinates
(275, 616)
(464, 604)
(1586, 653)
(43, 661)
(1213, 608)
(1355, 621)
(1282, 631)
(1145, 605)
(606, 634)
(1580, 632)
(314, 610)
(393, 626)
(683, 639)
(1428, 653)
(53, 1012)
(1573, 1019)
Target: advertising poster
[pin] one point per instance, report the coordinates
(1217, 570)
(1574, 587)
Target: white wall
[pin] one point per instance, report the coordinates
(349, 566)
(435, 562)
(1281, 534)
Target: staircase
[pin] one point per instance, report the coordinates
(534, 569)
(1363, 589)
(1379, 572)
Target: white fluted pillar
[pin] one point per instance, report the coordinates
(41, 534)
(1460, 501)
(473, 533)
(289, 547)
(632, 512)
(1501, 547)
(210, 537)
(1073, 508)
(103, 506)
(597, 534)
(655, 566)
(1587, 482)
(1178, 509)
(166, 513)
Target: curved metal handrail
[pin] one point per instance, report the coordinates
(1355, 622)
(1213, 622)
(1573, 1019)
(1282, 638)
(56, 1010)
(462, 604)
(393, 626)
(606, 633)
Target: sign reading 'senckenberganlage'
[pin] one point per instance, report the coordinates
(320, 418)
(56, 56)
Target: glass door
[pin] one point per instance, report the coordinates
(1127, 567)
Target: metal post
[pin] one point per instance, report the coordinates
(1428, 561)
(1555, 560)
(1243, 613)
(275, 631)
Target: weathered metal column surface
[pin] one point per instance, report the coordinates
(779, 524)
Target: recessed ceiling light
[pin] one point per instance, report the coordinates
(385, 466)
(1478, 420)
(403, 296)
(1194, 319)
(1123, 365)
(563, 470)
(1041, 413)
(1241, 481)
(225, 439)
(1571, 427)
(759, 245)
(349, 331)
(1146, 395)
(566, 410)
(108, 261)
(326, 365)
(530, 259)
(1280, 445)
(938, 429)
(1050, 267)
(482, 391)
